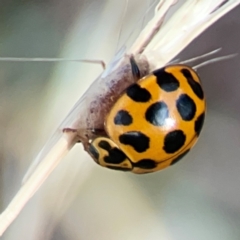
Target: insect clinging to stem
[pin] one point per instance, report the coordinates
(154, 122)
(141, 136)
(141, 114)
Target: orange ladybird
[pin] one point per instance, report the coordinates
(154, 123)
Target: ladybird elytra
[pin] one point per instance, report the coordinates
(154, 123)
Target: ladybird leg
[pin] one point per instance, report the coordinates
(98, 132)
(84, 136)
(107, 154)
(70, 130)
(80, 137)
(15, 59)
(101, 62)
(135, 70)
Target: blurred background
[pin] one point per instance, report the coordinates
(197, 199)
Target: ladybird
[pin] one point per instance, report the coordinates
(154, 123)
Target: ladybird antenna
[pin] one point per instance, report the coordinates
(218, 59)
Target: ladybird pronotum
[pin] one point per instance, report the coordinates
(154, 123)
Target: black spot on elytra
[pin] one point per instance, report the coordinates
(186, 107)
(174, 141)
(199, 123)
(145, 164)
(157, 113)
(123, 118)
(138, 94)
(94, 152)
(165, 80)
(137, 140)
(196, 87)
(104, 145)
(177, 159)
(115, 156)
